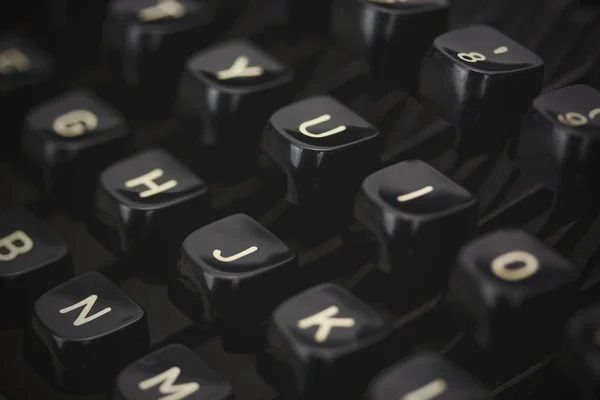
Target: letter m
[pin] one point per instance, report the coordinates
(166, 380)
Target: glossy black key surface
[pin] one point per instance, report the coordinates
(151, 39)
(172, 372)
(83, 332)
(306, 37)
(514, 290)
(226, 94)
(233, 272)
(318, 337)
(316, 142)
(33, 258)
(146, 205)
(426, 376)
(385, 27)
(70, 139)
(480, 80)
(411, 208)
(558, 146)
(579, 356)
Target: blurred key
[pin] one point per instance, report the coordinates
(426, 376)
(320, 337)
(151, 39)
(514, 292)
(233, 273)
(420, 218)
(145, 206)
(397, 34)
(323, 148)
(83, 332)
(560, 147)
(172, 372)
(226, 96)
(33, 259)
(481, 81)
(579, 356)
(25, 73)
(69, 140)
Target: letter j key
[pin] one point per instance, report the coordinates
(232, 272)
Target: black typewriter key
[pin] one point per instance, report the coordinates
(324, 149)
(318, 339)
(25, 76)
(69, 140)
(514, 291)
(579, 355)
(22, 64)
(173, 372)
(481, 81)
(83, 332)
(150, 41)
(232, 272)
(33, 259)
(227, 94)
(426, 376)
(385, 26)
(420, 219)
(559, 146)
(146, 205)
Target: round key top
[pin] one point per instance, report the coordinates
(560, 145)
(478, 79)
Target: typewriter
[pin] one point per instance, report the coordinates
(300, 200)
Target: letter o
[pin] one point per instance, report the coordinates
(530, 266)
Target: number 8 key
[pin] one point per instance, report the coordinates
(481, 81)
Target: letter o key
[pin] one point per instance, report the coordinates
(75, 123)
(530, 265)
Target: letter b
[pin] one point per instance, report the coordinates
(14, 244)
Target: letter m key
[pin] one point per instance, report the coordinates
(166, 380)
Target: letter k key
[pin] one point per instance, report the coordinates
(326, 323)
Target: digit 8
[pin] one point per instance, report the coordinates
(471, 57)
